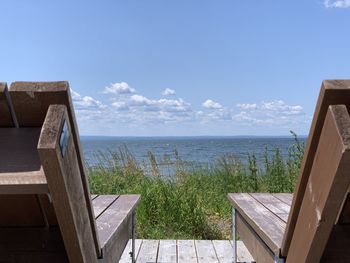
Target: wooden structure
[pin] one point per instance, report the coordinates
(46, 211)
(313, 224)
(186, 251)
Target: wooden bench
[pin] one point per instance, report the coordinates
(313, 224)
(47, 212)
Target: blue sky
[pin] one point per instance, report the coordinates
(171, 68)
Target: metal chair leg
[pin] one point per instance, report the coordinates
(234, 232)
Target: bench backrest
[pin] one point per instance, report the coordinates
(322, 186)
(47, 107)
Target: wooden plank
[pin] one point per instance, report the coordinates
(102, 202)
(6, 118)
(332, 92)
(284, 197)
(114, 226)
(337, 249)
(148, 252)
(126, 258)
(186, 251)
(273, 204)
(167, 251)
(243, 254)
(224, 250)
(31, 101)
(256, 246)
(66, 188)
(93, 197)
(205, 251)
(326, 189)
(267, 225)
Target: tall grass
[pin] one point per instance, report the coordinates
(193, 202)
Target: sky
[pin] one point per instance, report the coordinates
(180, 67)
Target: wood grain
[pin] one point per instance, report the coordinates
(266, 224)
(325, 190)
(148, 252)
(256, 246)
(205, 251)
(31, 101)
(66, 188)
(167, 251)
(186, 251)
(332, 92)
(114, 226)
(102, 202)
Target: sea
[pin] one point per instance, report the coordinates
(194, 152)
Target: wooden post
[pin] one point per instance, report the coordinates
(60, 163)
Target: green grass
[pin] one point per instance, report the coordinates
(192, 204)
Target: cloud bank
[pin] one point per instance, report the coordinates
(337, 3)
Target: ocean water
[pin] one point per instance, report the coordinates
(195, 151)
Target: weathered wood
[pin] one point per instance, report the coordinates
(186, 251)
(93, 197)
(66, 188)
(256, 246)
(344, 217)
(6, 114)
(332, 92)
(102, 202)
(266, 224)
(126, 258)
(223, 250)
(114, 226)
(243, 254)
(326, 189)
(205, 251)
(31, 101)
(148, 252)
(284, 197)
(167, 251)
(275, 205)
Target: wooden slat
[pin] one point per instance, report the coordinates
(256, 246)
(93, 197)
(326, 189)
(186, 251)
(126, 258)
(275, 205)
(167, 251)
(102, 202)
(148, 252)
(332, 92)
(65, 185)
(205, 251)
(267, 225)
(114, 226)
(6, 118)
(284, 197)
(224, 250)
(31, 101)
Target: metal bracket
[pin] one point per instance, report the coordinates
(277, 259)
(234, 232)
(133, 236)
(64, 138)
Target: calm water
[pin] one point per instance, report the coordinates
(194, 150)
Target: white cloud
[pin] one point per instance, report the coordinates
(120, 105)
(246, 106)
(337, 3)
(85, 102)
(119, 88)
(168, 92)
(210, 104)
(275, 112)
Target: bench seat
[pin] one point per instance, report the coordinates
(264, 215)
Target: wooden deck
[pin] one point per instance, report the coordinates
(186, 251)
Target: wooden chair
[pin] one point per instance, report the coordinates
(313, 224)
(46, 211)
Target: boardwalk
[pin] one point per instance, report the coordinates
(185, 251)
